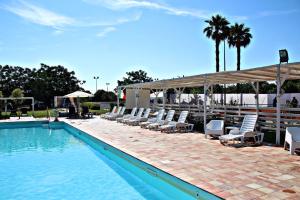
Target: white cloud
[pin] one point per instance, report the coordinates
(126, 4)
(41, 16)
(59, 23)
(268, 13)
(114, 22)
(106, 31)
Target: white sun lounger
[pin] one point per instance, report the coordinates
(109, 113)
(139, 114)
(292, 137)
(158, 118)
(215, 128)
(171, 126)
(156, 125)
(133, 111)
(246, 130)
(116, 115)
(137, 120)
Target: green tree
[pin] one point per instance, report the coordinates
(139, 76)
(102, 95)
(217, 30)
(239, 36)
(50, 81)
(17, 93)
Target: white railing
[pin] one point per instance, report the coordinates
(232, 114)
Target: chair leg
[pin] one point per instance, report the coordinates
(292, 149)
(284, 145)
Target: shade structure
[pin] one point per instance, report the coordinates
(290, 71)
(278, 73)
(79, 94)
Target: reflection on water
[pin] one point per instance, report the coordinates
(37, 138)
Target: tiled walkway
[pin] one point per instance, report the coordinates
(233, 173)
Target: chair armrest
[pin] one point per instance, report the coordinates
(232, 128)
(250, 134)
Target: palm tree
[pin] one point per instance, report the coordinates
(218, 31)
(239, 36)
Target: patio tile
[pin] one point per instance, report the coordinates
(254, 186)
(261, 172)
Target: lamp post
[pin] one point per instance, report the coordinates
(96, 78)
(107, 84)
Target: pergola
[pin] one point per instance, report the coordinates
(279, 73)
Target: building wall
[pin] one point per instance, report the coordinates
(143, 99)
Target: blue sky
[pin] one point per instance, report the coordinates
(163, 37)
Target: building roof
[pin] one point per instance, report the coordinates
(290, 71)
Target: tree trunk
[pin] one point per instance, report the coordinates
(217, 56)
(238, 48)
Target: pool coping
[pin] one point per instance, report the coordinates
(147, 163)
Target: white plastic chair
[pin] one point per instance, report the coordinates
(292, 137)
(159, 123)
(158, 118)
(137, 120)
(114, 116)
(138, 115)
(171, 126)
(246, 130)
(215, 128)
(133, 111)
(109, 113)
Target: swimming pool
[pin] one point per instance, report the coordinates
(39, 160)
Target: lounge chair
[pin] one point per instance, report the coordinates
(114, 116)
(72, 112)
(246, 130)
(86, 113)
(172, 125)
(136, 121)
(169, 118)
(109, 113)
(133, 111)
(292, 137)
(158, 118)
(138, 115)
(215, 128)
(24, 111)
(13, 113)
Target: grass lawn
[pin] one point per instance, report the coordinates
(43, 113)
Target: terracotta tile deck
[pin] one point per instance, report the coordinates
(262, 172)
(233, 173)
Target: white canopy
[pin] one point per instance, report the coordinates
(290, 71)
(78, 94)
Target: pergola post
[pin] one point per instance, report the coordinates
(156, 93)
(256, 89)
(32, 106)
(5, 109)
(224, 98)
(212, 99)
(179, 91)
(118, 100)
(164, 98)
(206, 86)
(257, 98)
(278, 83)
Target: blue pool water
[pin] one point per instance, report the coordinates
(38, 162)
